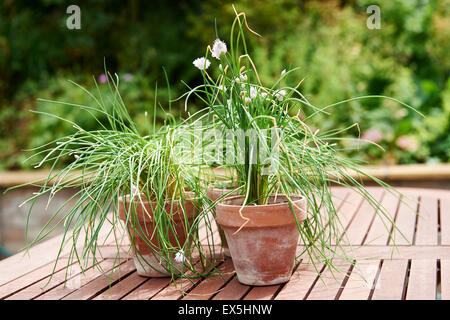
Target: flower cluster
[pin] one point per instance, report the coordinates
(248, 91)
(218, 49)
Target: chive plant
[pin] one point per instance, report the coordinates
(270, 149)
(301, 160)
(118, 161)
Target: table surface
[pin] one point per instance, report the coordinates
(417, 267)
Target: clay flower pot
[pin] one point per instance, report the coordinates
(214, 194)
(146, 260)
(263, 251)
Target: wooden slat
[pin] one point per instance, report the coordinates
(148, 289)
(427, 222)
(348, 209)
(122, 288)
(381, 252)
(262, 293)
(22, 281)
(210, 286)
(422, 280)
(338, 198)
(38, 176)
(39, 277)
(445, 221)
(445, 279)
(20, 264)
(399, 252)
(391, 281)
(175, 290)
(431, 192)
(114, 252)
(31, 278)
(405, 223)
(359, 226)
(330, 283)
(45, 285)
(408, 172)
(155, 287)
(361, 280)
(234, 290)
(382, 224)
(210, 233)
(300, 282)
(96, 286)
(78, 279)
(384, 172)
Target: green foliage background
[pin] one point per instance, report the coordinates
(408, 58)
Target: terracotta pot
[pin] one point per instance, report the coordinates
(214, 194)
(263, 251)
(146, 260)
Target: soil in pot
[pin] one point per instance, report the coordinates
(214, 194)
(263, 250)
(147, 261)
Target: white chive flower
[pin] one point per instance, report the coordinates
(247, 100)
(243, 77)
(280, 95)
(253, 92)
(201, 63)
(219, 48)
(179, 256)
(222, 87)
(283, 72)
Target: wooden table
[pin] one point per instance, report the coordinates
(419, 269)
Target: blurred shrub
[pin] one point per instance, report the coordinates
(38, 54)
(133, 36)
(408, 58)
(340, 58)
(136, 89)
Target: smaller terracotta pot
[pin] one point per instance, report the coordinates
(146, 260)
(213, 194)
(263, 251)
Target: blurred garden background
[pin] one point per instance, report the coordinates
(407, 58)
(339, 57)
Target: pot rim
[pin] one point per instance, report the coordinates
(177, 204)
(223, 202)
